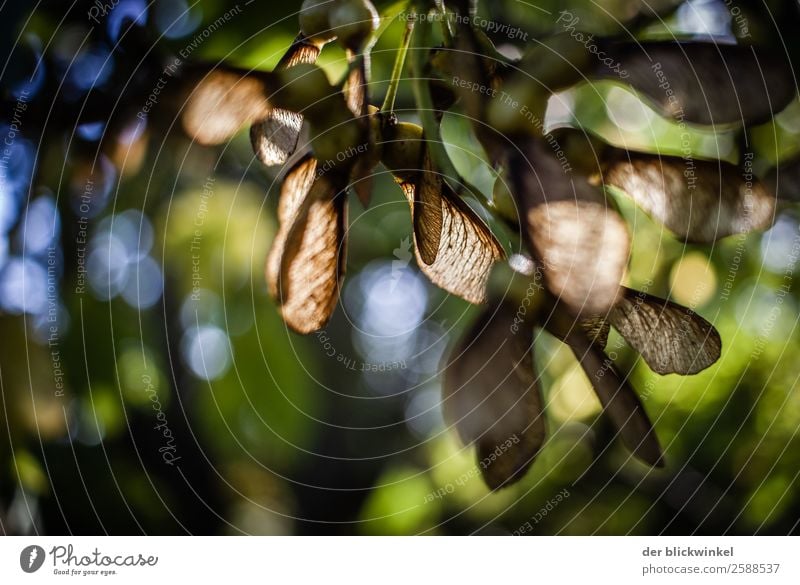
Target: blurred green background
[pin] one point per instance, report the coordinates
(149, 385)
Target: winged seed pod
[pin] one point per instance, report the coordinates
(307, 260)
(220, 100)
(699, 201)
(454, 248)
(306, 263)
(620, 403)
(491, 396)
(671, 338)
(579, 240)
(274, 139)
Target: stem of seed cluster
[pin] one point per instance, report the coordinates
(427, 114)
(397, 70)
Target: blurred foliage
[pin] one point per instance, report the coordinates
(278, 434)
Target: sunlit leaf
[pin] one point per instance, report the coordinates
(490, 395)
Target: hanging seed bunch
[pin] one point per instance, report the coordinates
(574, 244)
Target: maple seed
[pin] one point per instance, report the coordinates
(353, 21)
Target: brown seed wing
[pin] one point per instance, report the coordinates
(306, 263)
(222, 100)
(580, 241)
(274, 139)
(490, 396)
(597, 328)
(700, 201)
(302, 51)
(355, 89)
(427, 212)
(672, 339)
(467, 249)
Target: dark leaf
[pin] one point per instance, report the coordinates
(704, 83)
(362, 177)
(490, 396)
(784, 181)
